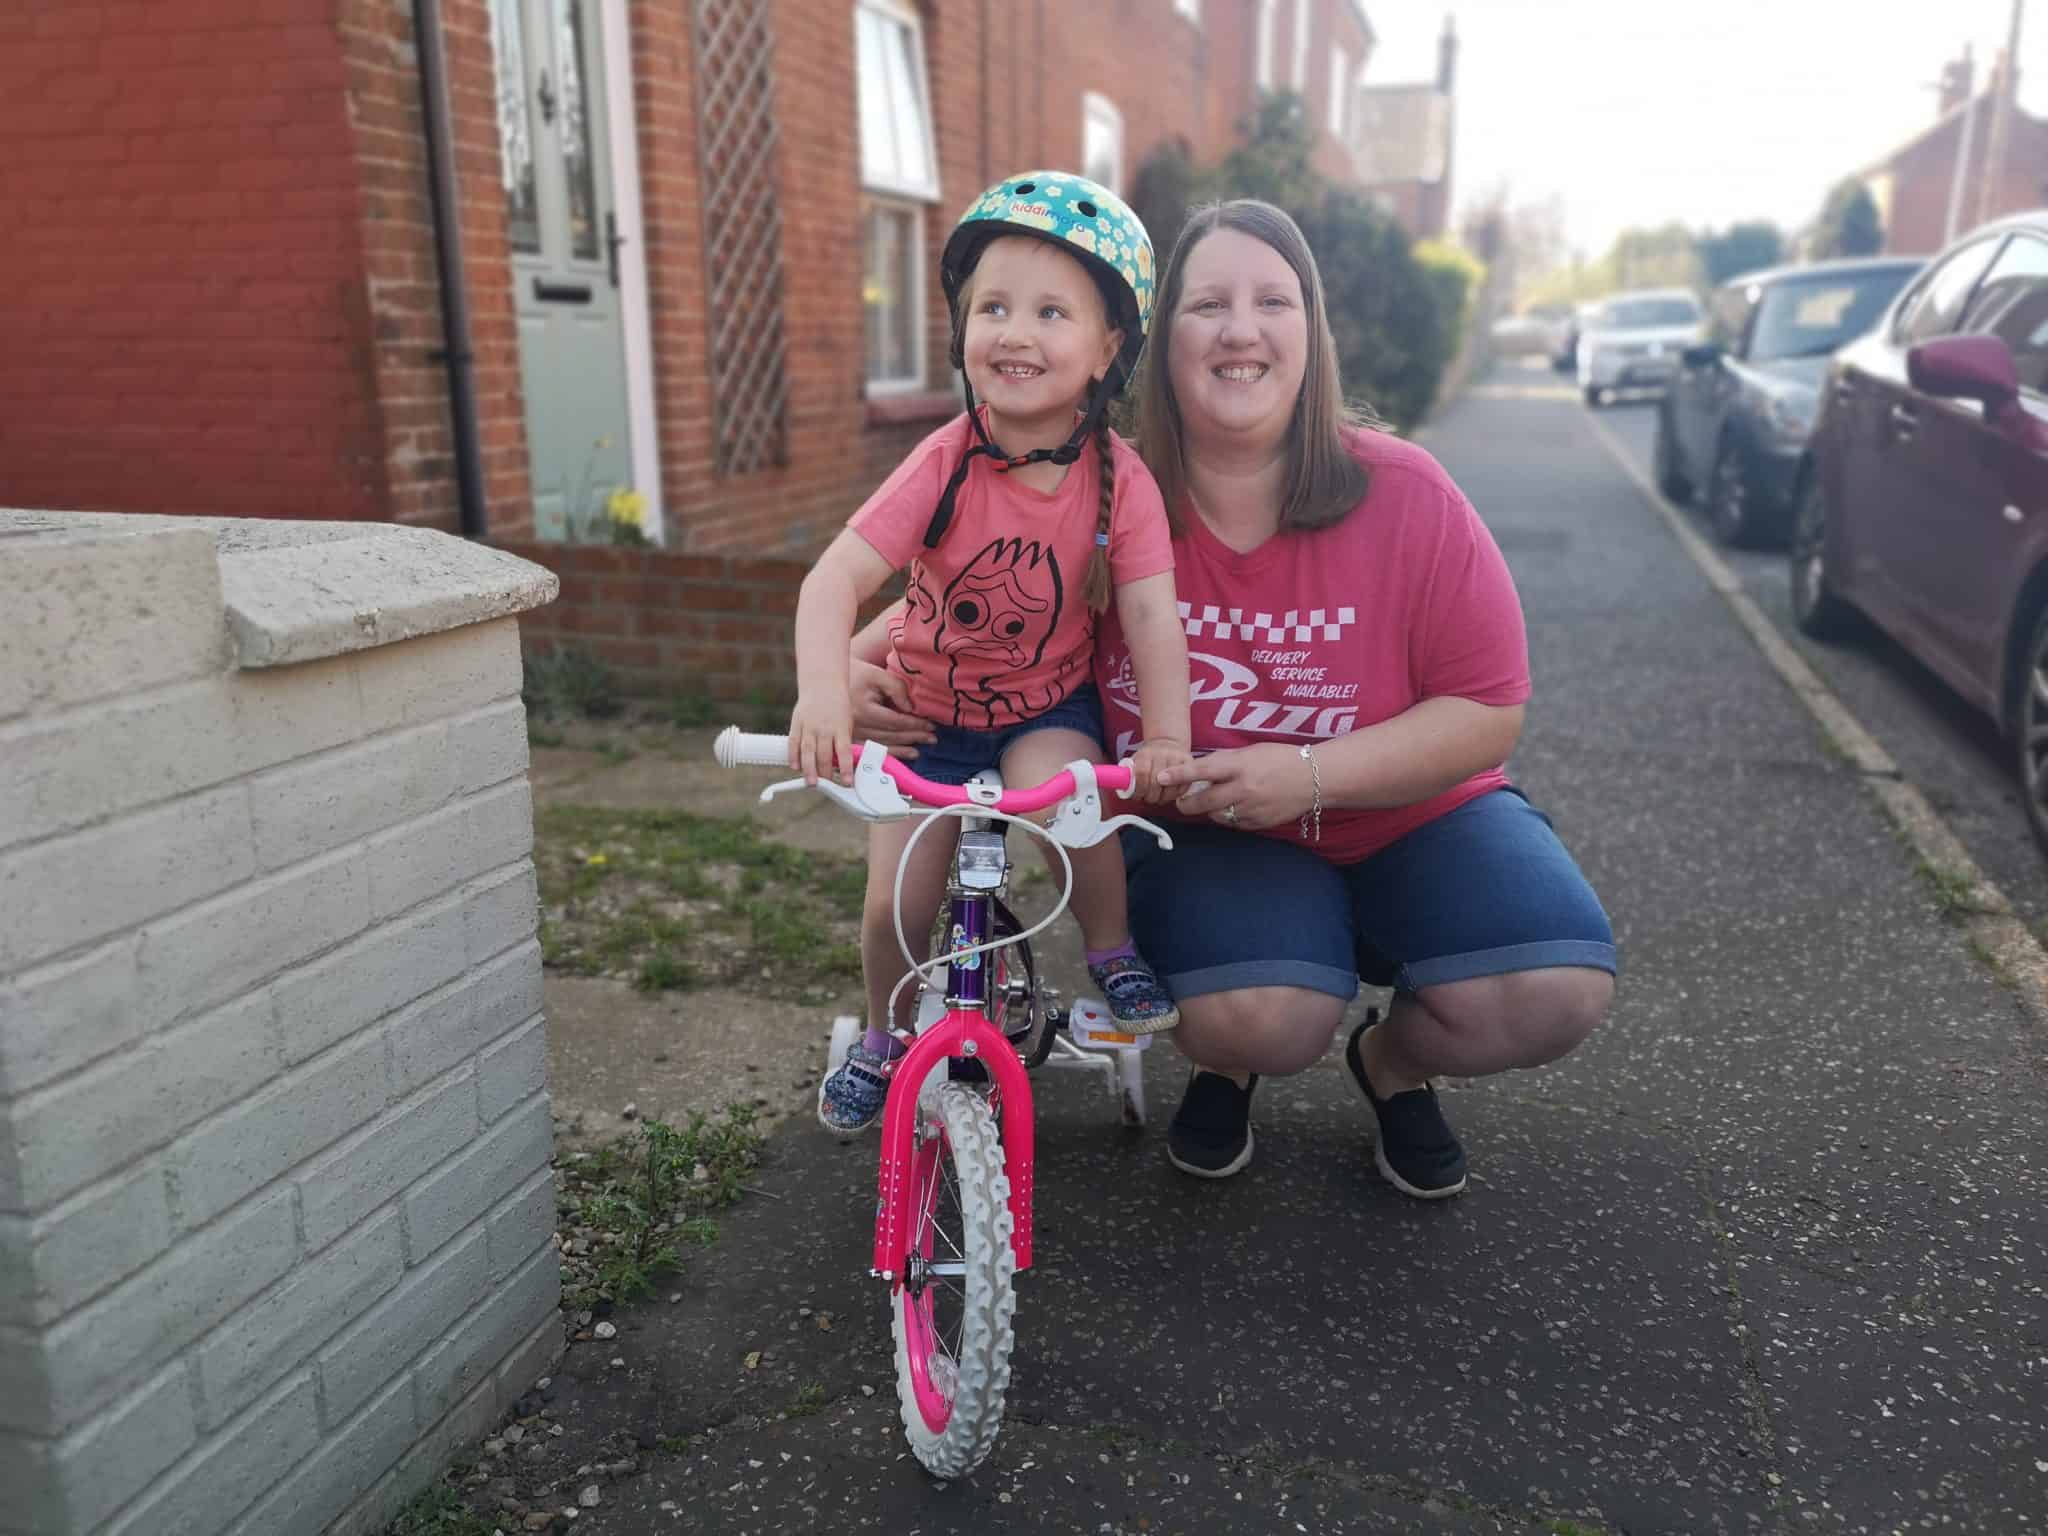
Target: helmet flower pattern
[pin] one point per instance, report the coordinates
(1067, 208)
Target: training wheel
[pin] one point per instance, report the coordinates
(845, 1030)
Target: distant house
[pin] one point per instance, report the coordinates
(1919, 195)
(1401, 144)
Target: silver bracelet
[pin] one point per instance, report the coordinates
(1312, 818)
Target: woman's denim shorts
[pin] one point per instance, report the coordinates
(958, 754)
(1480, 891)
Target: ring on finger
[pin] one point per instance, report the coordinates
(1230, 813)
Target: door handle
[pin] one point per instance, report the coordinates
(560, 293)
(1904, 419)
(612, 241)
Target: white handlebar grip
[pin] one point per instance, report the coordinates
(736, 748)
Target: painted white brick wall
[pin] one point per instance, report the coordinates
(276, 1214)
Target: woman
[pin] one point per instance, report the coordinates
(1359, 673)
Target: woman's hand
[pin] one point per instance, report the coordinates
(1151, 760)
(1245, 787)
(821, 737)
(881, 711)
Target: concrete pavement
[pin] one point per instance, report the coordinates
(1769, 1254)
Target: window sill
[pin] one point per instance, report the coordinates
(910, 406)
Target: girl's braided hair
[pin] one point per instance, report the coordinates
(1095, 586)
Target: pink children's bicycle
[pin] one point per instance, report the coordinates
(953, 1223)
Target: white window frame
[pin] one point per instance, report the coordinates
(905, 196)
(1340, 94)
(1268, 22)
(1301, 23)
(1098, 110)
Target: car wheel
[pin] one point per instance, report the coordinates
(1731, 507)
(1664, 457)
(1816, 609)
(1594, 395)
(2030, 729)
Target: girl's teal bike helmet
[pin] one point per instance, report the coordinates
(1094, 226)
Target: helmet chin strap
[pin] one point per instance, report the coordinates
(1100, 393)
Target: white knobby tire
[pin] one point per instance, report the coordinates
(961, 1195)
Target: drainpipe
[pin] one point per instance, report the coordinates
(455, 350)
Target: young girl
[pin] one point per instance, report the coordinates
(1014, 535)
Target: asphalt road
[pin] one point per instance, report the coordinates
(1770, 1253)
(1951, 751)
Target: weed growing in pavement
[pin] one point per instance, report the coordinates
(1954, 894)
(673, 900)
(1993, 964)
(631, 1205)
(810, 1399)
(1572, 1528)
(438, 1510)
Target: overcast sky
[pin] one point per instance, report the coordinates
(1640, 111)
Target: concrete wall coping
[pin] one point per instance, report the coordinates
(300, 591)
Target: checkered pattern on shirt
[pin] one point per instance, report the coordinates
(1218, 623)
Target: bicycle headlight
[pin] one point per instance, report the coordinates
(980, 864)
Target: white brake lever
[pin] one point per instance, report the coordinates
(1078, 823)
(874, 795)
(1165, 839)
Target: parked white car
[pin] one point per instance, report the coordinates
(1635, 340)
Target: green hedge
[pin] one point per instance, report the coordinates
(1397, 309)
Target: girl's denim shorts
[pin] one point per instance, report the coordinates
(1481, 891)
(958, 753)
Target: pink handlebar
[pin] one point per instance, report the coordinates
(736, 747)
(1016, 802)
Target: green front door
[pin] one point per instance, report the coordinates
(554, 130)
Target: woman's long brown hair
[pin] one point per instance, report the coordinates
(1324, 480)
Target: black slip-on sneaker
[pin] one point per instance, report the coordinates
(1416, 1150)
(1211, 1133)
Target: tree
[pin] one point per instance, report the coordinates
(1395, 323)
(1167, 185)
(1271, 160)
(1849, 223)
(1742, 247)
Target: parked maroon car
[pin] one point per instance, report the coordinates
(1925, 502)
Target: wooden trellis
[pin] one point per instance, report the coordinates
(737, 138)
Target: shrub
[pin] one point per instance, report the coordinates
(1396, 320)
(567, 682)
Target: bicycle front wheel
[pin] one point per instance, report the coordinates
(954, 1311)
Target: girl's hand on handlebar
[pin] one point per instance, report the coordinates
(821, 738)
(1247, 787)
(1153, 758)
(881, 711)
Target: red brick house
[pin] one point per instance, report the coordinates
(1917, 188)
(483, 264)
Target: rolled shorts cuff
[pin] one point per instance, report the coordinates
(1333, 980)
(1545, 955)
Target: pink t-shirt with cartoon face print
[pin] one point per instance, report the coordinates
(1312, 635)
(994, 629)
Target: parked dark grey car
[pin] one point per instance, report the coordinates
(1735, 420)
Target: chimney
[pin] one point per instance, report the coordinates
(1958, 83)
(1447, 58)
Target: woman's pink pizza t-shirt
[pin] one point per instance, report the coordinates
(1312, 635)
(994, 629)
